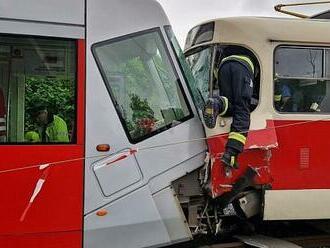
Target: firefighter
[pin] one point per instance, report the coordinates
(283, 98)
(235, 80)
(51, 127)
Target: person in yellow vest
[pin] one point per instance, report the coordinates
(51, 127)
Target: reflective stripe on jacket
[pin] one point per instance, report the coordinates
(246, 61)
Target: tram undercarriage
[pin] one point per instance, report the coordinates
(223, 215)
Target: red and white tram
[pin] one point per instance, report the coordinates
(283, 172)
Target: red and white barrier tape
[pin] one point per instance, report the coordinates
(37, 189)
(122, 155)
(151, 147)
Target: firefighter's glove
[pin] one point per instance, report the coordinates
(229, 158)
(213, 107)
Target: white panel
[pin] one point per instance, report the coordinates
(297, 204)
(120, 17)
(41, 29)
(172, 215)
(132, 221)
(168, 157)
(116, 176)
(60, 11)
(160, 165)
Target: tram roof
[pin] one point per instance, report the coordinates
(256, 30)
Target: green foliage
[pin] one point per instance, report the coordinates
(136, 85)
(136, 73)
(143, 118)
(140, 108)
(138, 91)
(57, 94)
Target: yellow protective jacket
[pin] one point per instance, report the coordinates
(56, 131)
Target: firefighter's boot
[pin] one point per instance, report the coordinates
(214, 106)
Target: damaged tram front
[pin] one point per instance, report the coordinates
(283, 167)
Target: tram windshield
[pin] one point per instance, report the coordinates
(200, 64)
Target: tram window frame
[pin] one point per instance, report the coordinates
(325, 69)
(200, 34)
(189, 78)
(199, 93)
(41, 43)
(178, 82)
(232, 50)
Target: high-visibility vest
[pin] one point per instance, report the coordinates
(56, 131)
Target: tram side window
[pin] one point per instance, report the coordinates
(37, 90)
(302, 79)
(143, 84)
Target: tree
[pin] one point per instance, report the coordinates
(57, 94)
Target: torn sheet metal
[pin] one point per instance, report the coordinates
(264, 139)
(263, 147)
(262, 241)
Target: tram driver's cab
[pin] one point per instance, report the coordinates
(205, 49)
(289, 111)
